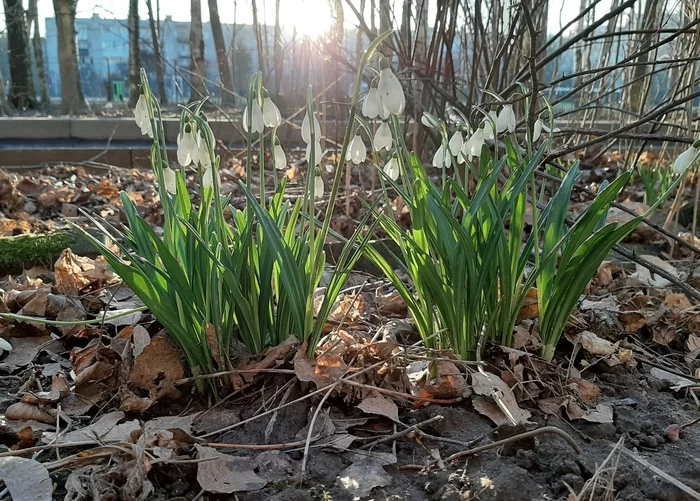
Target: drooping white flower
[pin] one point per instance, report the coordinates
(685, 160)
(442, 158)
(488, 126)
(279, 157)
(472, 148)
(553, 130)
(203, 152)
(318, 153)
(427, 121)
(186, 144)
(506, 119)
(382, 138)
(319, 187)
(257, 123)
(537, 130)
(170, 180)
(357, 150)
(208, 178)
(392, 169)
(372, 104)
(306, 129)
(142, 118)
(456, 142)
(391, 92)
(271, 113)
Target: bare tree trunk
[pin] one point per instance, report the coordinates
(72, 99)
(224, 72)
(385, 24)
(279, 55)
(22, 93)
(5, 107)
(258, 37)
(134, 61)
(651, 19)
(155, 37)
(199, 89)
(33, 20)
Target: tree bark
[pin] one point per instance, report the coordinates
(199, 71)
(134, 60)
(22, 93)
(155, 37)
(72, 99)
(224, 71)
(33, 21)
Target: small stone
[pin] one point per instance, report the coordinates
(660, 440)
(568, 466)
(449, 493)
(69, 210)
(649, 441)
(605, 431)
(634, 442)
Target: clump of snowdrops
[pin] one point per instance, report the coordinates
(207, 279)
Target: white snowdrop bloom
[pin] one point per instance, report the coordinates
(279, 157)
(170, 180)
(358, 150)
(382, 137)
(203, 152)
(186, 144)
(372, 104)
(685, 160)
(306, 129)
(271, 113)
(257, 123)
(550, 131)
(427, 121)
(208, 178)
(456, 142)
(142, 118)
(392, 169)
(319, 187)
(488, 126)
(506, 119)
(391, 92)
(472, 148)
(318, 153)
(442, 158)
(537, 130)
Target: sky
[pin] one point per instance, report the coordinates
(308, 16)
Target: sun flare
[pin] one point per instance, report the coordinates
(310, 18)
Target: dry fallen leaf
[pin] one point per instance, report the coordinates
(677, 302)
(361, 477)
(586, 390)
(73, 273)
(602, 414)
(156, 370)
(223, 474)
(380, 406)
(21, 411)
(596, 345)
(26, 479)
(646, 278)
(449, 383)
(324, 370)
(506, 406)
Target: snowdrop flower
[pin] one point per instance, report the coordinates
(442, 158)
(306, 129)
(537, 130)
(319, 187)
(382, 138)
(279, 158)
(186, 144)
(456, 143)
(170, 180)
(392, 169)
(203, 152)
(488, 127)
(372, 104)
(506, 119)
(391, 92)
(358, 150)
(142, 118)
(318, 153)
(271, 113)
(208, 178)
(257, 123)
(472, 148)
(685, 160)
(550, 131)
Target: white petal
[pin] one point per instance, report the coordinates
(244, 120)
(506, 119)
(370, 106)
(456, 142)
(279, 157)
(208, 178)
(391, 92)
(442, 158)
(170, 180)
(306, 129)
(318, 153)
(183, 149)
(684, 160)
(271, 114)
(257, 122)
(392, 169)
(382, 137)
(319, 187)
(358, 150)
(203, 152)
(537, 130)
(473, 147)
(488, 127)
